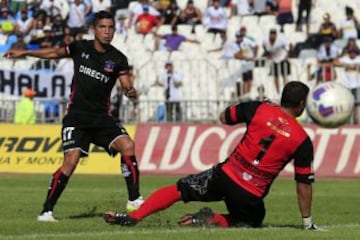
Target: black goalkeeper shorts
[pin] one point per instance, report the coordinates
(214, 185)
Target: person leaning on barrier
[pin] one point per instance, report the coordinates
(25, 108)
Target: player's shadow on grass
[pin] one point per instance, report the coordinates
(281, 226)
(91, 213)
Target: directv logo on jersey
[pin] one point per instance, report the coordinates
(93, 73)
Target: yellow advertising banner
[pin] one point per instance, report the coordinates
(38, 149)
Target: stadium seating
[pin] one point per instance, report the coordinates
(205, 75)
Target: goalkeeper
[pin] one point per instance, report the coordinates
(273, 138)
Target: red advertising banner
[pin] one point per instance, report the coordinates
(190, 148)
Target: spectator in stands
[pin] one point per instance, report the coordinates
(24, 22)
(303, 6)
(20, 42)
(350, 26)
(40, 20)
(215, 18)
(229, 49)
(169, 15)
(272, 7)
(242, 7)
(36, 35)
(34, 6)
(99, 5)
(276, 49)
(246, 54)
(58, 27)
(314, 76)
(139, 9)
(190, 15)
(162, 5)
(122, 27)
(7, 22)
(244, 49)
(351, 80)
(25, 108)
(146, 23)
(351, 45)
(284, 13)
(327, 53)
(223, 3)
(47, 40)
(171, 81)
(96, 6)
(3, 4)
(52, 7)
(78, 11)
(16, 5)
(121, 5)
(68, 38)
(243, 31)
(172, 41)
(327, 29)
(263, 7)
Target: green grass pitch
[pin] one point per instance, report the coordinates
(335, 208)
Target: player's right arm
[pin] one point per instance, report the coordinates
(304, 177)
(304, 194)
(46, 53)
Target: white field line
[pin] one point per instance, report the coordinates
(121, 231)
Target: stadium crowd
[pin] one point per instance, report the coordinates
(243, 30)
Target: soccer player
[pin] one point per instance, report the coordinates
(273, 138)
(97, 66)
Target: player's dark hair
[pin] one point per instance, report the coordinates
(102, 15)
(293, 94)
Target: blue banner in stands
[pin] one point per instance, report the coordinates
(46, 84)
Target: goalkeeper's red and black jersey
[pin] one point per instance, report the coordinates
(95, 74)
(273, 138)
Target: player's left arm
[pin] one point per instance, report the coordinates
(242, 112)
(127, 86)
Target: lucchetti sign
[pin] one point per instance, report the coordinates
(187, 148)
(169, 149)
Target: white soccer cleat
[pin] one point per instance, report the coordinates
(46, 217)
(134, 205)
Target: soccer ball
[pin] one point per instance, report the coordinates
(330, 104)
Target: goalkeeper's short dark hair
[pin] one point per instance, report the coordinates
(294, 93)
